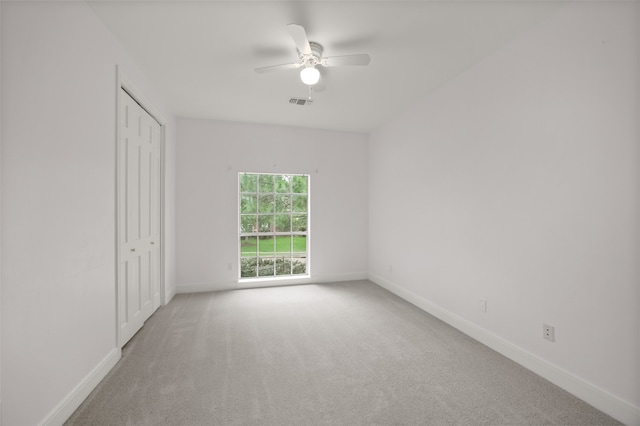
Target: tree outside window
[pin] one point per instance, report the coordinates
(274, 213)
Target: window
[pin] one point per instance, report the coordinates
(274, 218)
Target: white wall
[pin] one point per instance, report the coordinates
(58, 205)
(0, 215)
(210, 155)
(170, 210)
(518, 183)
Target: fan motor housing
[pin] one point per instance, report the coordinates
(316, 54)
(316, 49)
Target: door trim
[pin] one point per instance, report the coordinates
(124, 83)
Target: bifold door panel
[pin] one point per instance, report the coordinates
(138, 216)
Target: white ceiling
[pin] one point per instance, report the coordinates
(202, 54)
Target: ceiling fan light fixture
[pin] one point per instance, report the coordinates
(310, 76)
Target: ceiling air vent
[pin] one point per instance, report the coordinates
(301, 101)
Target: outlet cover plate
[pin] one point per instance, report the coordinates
(548, 332)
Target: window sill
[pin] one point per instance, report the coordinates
(273, 281)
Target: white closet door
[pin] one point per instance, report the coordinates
(138, 216)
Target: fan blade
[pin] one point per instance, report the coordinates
(335, 61)
(282, 67)
(299, 36)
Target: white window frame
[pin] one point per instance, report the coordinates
(274, 279)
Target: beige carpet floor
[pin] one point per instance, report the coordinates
(337, 354)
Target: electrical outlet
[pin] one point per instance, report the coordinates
(548, 332)
(229, 266)
(483, 305)
(391, 268)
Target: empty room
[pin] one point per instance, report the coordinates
(320, 212)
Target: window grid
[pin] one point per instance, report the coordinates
(273, 213)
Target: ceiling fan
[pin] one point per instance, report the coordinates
(310, 54)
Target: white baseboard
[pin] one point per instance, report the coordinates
(232, 285)
(601, 399)
(332, 278)
(68, 405)
(169, 295)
